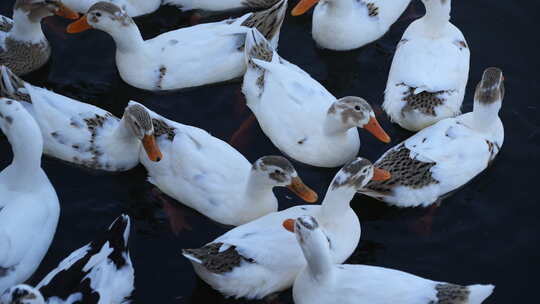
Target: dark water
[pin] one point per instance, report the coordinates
(485, 233)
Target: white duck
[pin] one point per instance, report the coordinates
(23, 46)
(260, 257)
(343, 25)
(447, 155)
(188, 57)
(301, 118)
(208, 175)
(98, 273)
(29, 207)
(135, 8)
(324, 282)
(429, 72)
(81, 133)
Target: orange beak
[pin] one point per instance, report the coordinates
(78, 26)
(303, 191)
(375, 128)
(303, 6)
(152, 149)
(66, 12)
(380, 175)
(289, 225)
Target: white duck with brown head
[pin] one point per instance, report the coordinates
(446, 155)
(260, 258)
(343, 25)
(187, 57)
(29, 207)
(324, 282)
(23, 46)
(81, 133)
(301, 118)
(429, 71)
(208, 175)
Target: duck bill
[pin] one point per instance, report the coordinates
(66, 12)
(303, 191)
(375, 128)
(78, 26)
(303, 6)
(151, 148)
(380, 175)
(289, 225)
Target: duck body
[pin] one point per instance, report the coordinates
(260, 258)
(429, 72)
(299, 116)
(208, 175)
(23, 46)
(74, 131)
(440, 158)
(27, 196)
(223, 5)
(324, 282)
(188, 57)
(99, 273)
(343, 25)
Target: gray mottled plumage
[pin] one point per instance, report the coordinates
(452, 294)
(161, 128)
(268, 21)
(258, 4)
(425, 102)
(214, 260)
(491, 88)
(24, 57)
(405, 171)
(6, 24)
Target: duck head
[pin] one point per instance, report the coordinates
(357, 173)
(140, 124)
(349, 112)
(22, 294)
(277, 171)
(103, 16)
(39, 9)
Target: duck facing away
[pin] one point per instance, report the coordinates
(429, 71)
(301, 118)
(99, 273)
(188, 57)
(84, 134)
(29, 207)
(324, 282)
(260, 258)
(208, 175)
(135, 8)
(23, 46)
(447, 155)
(343, 25)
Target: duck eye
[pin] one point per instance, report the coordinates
(98, 14)
(277, 171)
(357, 108)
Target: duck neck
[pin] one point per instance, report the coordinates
(25, 29)
(334, 125)
(319, 260)
(336, 203)
(258, 189)
(122, 139)
(437, 15)
(128, 38)
(485, 115)
(27, 146)
(340, 7)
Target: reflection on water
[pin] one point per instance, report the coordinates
(485, 233)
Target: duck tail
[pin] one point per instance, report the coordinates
(269, 21)
(258, 48)
(478, 293)
(118, 233)
(11, 86)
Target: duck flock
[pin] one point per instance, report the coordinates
(267, 251)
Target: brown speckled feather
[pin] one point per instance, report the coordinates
(268, 21)
(452, 294)
(5, 24)
(214, 260)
